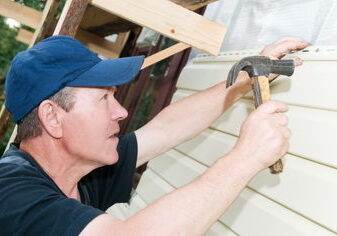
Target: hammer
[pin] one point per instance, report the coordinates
(258, 69)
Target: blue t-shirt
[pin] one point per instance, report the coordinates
(32, 204)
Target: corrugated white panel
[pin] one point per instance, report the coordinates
(314, 132)
(219, 229)
(300, 185)
(136, 204)
(150, 183)
(304, 186)
(313, 84)
(119, 211)
(251, 213)
(177, 167)
(301, 200)
(208, 146)
(123, 210)
(151, 187)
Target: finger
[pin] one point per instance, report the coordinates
(272, 107)
(287, 133)
(289, 38)
(283, 48)
(297, 61)
(280, 119)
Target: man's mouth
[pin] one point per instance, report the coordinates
(114, 135)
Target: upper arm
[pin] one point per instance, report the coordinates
(152, 140)
(103, 225)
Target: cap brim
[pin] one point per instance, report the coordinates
(110, 72)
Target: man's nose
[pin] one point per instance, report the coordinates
(118, 111)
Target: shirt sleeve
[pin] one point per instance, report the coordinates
(31, 205)
(113, 184)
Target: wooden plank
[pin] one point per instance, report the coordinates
(98, 45)
(94, 43)
(193, 4)
(25, 15)
(24, 36)
(170, 20)
(102, 23)
(71, 17)
(5, 118)
(150, 60)
(46, 22)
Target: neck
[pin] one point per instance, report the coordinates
(65, 170)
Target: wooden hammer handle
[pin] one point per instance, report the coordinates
(262, 95)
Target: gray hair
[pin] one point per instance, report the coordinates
(30, 125)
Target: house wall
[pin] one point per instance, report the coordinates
(300, 201)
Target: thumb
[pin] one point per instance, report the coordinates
(297, 61)
(272, 107)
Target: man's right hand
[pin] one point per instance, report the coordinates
(264, 136)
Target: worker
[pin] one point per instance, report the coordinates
(70, 164)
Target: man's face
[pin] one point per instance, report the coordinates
(90, 127)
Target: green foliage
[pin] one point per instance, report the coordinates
(9, 47)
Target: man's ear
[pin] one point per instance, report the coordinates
(50, 117)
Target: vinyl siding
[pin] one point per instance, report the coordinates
(300, 201)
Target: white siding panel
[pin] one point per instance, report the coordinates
(175, 166)
(120, 211)
(151, 187)
(201, 76)
(304, 186)
(219, 229)
(314, 132)
(209, 146)
(313, 84)
(252, 214)
(123, 210)
(136, 204)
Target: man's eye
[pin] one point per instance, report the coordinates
(105, 97)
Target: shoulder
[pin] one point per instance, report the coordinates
(28, 197)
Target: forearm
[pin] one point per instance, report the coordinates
(187, 117)
(192, 209)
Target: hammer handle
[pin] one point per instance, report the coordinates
(262, 95)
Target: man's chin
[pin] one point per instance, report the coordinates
(111, 160)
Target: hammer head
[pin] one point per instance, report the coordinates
(260, 66)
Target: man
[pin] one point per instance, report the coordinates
(70, 166)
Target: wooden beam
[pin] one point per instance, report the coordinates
(46, 22)
(94, 43)
(100, 45)
(193, 4)
(25, 15)
(71, 17)
(150, 60)
(103, 23)
(170, 20)
(5, 119)
(24, 36)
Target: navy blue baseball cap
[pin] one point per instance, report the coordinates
(57, 62)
